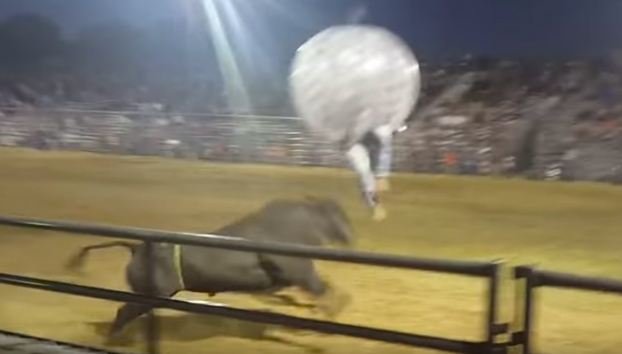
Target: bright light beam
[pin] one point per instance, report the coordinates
(236, 93)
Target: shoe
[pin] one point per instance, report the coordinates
(379, 213)
(383, 185)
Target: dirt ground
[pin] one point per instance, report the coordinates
(558, 226)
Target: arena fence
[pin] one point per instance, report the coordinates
(470, 149)
(488, 270)
(233, 138)
(531, 278)
(211, 137)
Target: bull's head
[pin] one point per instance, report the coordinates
(333, 223)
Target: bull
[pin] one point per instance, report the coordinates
(311, 221)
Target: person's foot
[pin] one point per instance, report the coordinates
(383, 185)
(379, 213)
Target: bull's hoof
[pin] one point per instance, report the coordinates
(117, 339)
(333, 304)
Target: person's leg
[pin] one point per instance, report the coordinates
(384, 134)
(359, 160)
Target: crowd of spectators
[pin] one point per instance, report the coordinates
(555, 120)
(476, 116)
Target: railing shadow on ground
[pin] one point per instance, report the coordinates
(191, 327)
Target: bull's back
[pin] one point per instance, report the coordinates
(288, 221)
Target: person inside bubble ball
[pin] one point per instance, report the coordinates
(370, 157)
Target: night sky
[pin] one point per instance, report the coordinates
(433, 28)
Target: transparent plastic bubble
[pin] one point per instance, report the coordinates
(347, 80)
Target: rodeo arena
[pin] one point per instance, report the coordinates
(376, 202)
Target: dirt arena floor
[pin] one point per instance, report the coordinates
(558, 226)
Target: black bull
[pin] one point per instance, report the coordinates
(313, 222)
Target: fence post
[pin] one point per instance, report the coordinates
(523, 311)
(152, 333)
(493, 327)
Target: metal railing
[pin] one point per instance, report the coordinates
(527, 279)
(530, 279)
(280, 140)
(216, 137)
(488, 270)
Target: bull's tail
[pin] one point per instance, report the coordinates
(76, 262)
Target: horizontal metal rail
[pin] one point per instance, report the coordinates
(137, 113)
(18, 343)
(580, 282)
(468, 268)
(428, 342)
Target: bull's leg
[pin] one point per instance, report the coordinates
(330, 301)
(128, 313)
(166, 284)
(287, 297)
(301, 273)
